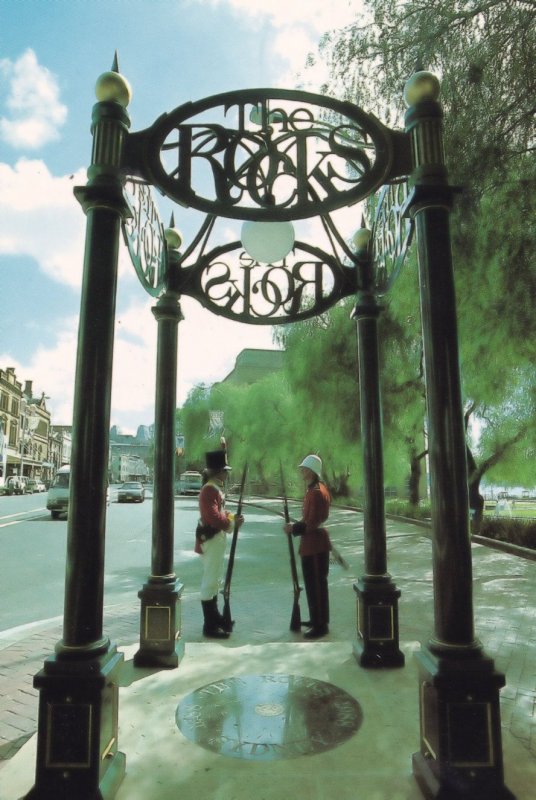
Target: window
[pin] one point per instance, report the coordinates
(14, 406)
(4, 401)
(13, 434)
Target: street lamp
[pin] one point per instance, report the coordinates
(267, 242)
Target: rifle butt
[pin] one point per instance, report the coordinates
(226, 614)
(295, 620)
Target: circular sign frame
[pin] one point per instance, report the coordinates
(264, 154)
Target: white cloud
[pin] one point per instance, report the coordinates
(51, 371)
(297, 26)
(40, 218)
(34, 111)
(320, 15)
(134, 365)
(209, 345)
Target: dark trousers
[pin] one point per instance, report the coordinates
(315, 577)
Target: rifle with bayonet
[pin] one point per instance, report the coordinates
(227, 621)
(295, 620)
(337, 558)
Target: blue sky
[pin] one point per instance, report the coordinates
(171, 51)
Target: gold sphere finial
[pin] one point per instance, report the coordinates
(361, 239)
(113, 87)
(422, 85)
(173, 238)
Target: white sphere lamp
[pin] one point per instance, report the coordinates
(267, 242)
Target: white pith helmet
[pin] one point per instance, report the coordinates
(314, 463)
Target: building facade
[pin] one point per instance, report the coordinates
(10, 405)
(32, 447)
(24, 430)
(131, 455)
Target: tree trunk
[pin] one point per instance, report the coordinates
(415, 477)
(414, 480)
(476, 500)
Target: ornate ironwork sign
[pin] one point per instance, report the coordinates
(230, 283)
(264, 154)
(268, 717)
(392, 230)
(144, 237)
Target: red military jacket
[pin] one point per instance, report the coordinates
(211, 509)
(314, 538)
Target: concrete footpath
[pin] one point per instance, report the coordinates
(374, 763)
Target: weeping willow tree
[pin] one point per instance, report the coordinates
(484, 53)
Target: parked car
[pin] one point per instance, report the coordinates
(190, 482)
(131, 492)
(17, 484)
(34, 485)
(58, 494)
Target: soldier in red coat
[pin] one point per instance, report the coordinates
(315, 545)
(210, 540)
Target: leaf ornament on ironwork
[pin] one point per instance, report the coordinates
(144, 236)
(392, 231)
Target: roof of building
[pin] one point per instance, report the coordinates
(253, 364)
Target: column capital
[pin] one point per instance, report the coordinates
(367, 306)
(168, 307)
(104, 194)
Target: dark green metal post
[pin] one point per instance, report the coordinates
(461, 751)
(377, 643)
(77, 746)
(160, 596)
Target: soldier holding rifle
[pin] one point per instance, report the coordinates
(210, 541)
(315, 545)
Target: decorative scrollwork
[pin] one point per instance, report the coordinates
(391, 235)
(265, 154)
(230, 283)
(144, 237)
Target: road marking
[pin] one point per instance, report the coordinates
(20, 514)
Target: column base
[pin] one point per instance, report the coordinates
(160, 626)
(77, 737)
(377, 642)
(461, 749)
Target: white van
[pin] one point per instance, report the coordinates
(190, 482)
(58, 494)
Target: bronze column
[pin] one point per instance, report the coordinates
(160, 596)
(377, 643)
(461, 751)
(77, 745)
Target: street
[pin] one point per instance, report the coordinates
(32, 568)
(32, 573)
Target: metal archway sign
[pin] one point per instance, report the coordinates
(231, 284)
(286, 155)
(266, 154)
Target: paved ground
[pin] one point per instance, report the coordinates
(505, 618)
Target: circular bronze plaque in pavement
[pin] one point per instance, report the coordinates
(268, 717)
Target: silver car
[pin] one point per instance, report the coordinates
(131, 492)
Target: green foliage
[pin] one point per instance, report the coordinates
(194, 425)
(514, 531)
(484, 54)
(401, 508)
(322, 373)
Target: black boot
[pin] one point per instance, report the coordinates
(211, 627)
(221, 621)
